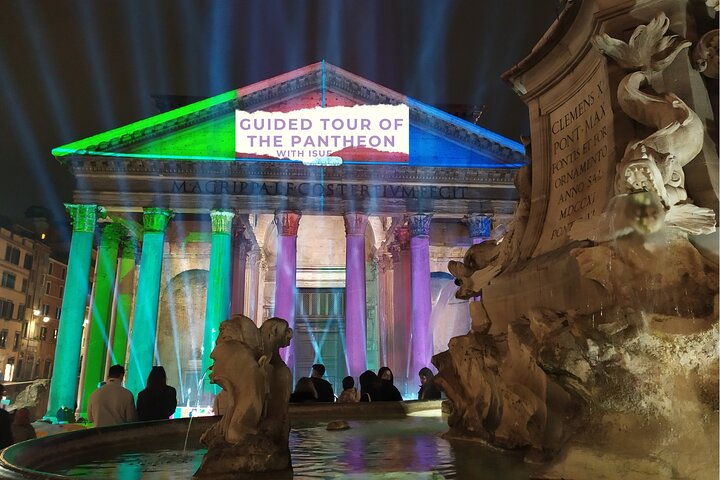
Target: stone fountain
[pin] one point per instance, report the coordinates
(252, 435)
(594, 339)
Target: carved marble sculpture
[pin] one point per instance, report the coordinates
(252, 435)
(655, 163)
(599, 338)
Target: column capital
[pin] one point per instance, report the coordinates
(129, 247)
(156, 219)
(479, 225)
(419, 224)
(221, 221)
(355, 223)
(113, 232)
(287, 222)
(402, 237)
(384, 262)
(83, 217)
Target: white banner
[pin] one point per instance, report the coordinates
(363, 133)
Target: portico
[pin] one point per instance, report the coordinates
(344, 253)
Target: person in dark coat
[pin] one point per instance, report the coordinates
(304, 391)
(6, 436)
(428, 389)
(158, 400)
(387, 391)
(324, 389)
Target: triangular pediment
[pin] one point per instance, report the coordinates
(205, 130)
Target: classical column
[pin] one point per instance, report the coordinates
(421, 301)
(385, 304)
(479, 227)
(355, 346)
(218, 289)
(287, 223)
(239, 264)
(125, 286)
(256, 263)
(144, 330)
(372, 339)
(98, 336)
(63, 387)
(402, 281)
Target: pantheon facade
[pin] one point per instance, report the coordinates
(354, 256)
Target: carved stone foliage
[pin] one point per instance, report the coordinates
(287, 223)
(83, 217)
(705, 53)
(355, 223)
(156, 219)
(419, 225)
(221, 221)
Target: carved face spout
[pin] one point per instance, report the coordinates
(640, 175)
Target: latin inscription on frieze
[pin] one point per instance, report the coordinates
(581, 154)
(317, 189)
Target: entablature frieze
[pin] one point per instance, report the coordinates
(91, 166)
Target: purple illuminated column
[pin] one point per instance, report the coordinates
(399, 357)
(421, 301)
(355, 347)
(384, 304)
(239, 253)
(287, 223)
(479, 227)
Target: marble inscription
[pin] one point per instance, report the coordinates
(581, 151)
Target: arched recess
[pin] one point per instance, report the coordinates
(181, 321)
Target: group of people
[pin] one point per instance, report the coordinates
(374, 387)
(112, 404)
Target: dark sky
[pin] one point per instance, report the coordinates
(70, 69)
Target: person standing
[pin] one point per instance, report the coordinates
(158, 400)
(322, 386)
(112, 404)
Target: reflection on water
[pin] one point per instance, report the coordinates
(373, 449)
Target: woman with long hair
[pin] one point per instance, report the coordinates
(158, 400)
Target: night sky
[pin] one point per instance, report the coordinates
(71, 69)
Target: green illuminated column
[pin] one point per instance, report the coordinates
(218, 289)
(100, 320)
(64, 382)
(142, 337)
(123, 300)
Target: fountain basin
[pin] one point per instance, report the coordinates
(385, 440)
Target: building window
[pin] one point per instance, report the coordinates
(47, 288)
(6, 309)
(16, 341)
(63, 273)
(9, 369)
(24, 285)
(3, 338)
(21, 312)
(50, 269)
(8, 280)
(12, 255)
(43, 333)
(58, 311)
(46, 309)
(46, 370)
(25, 330)
(55, 335)
(61, 290)
(28, 261)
